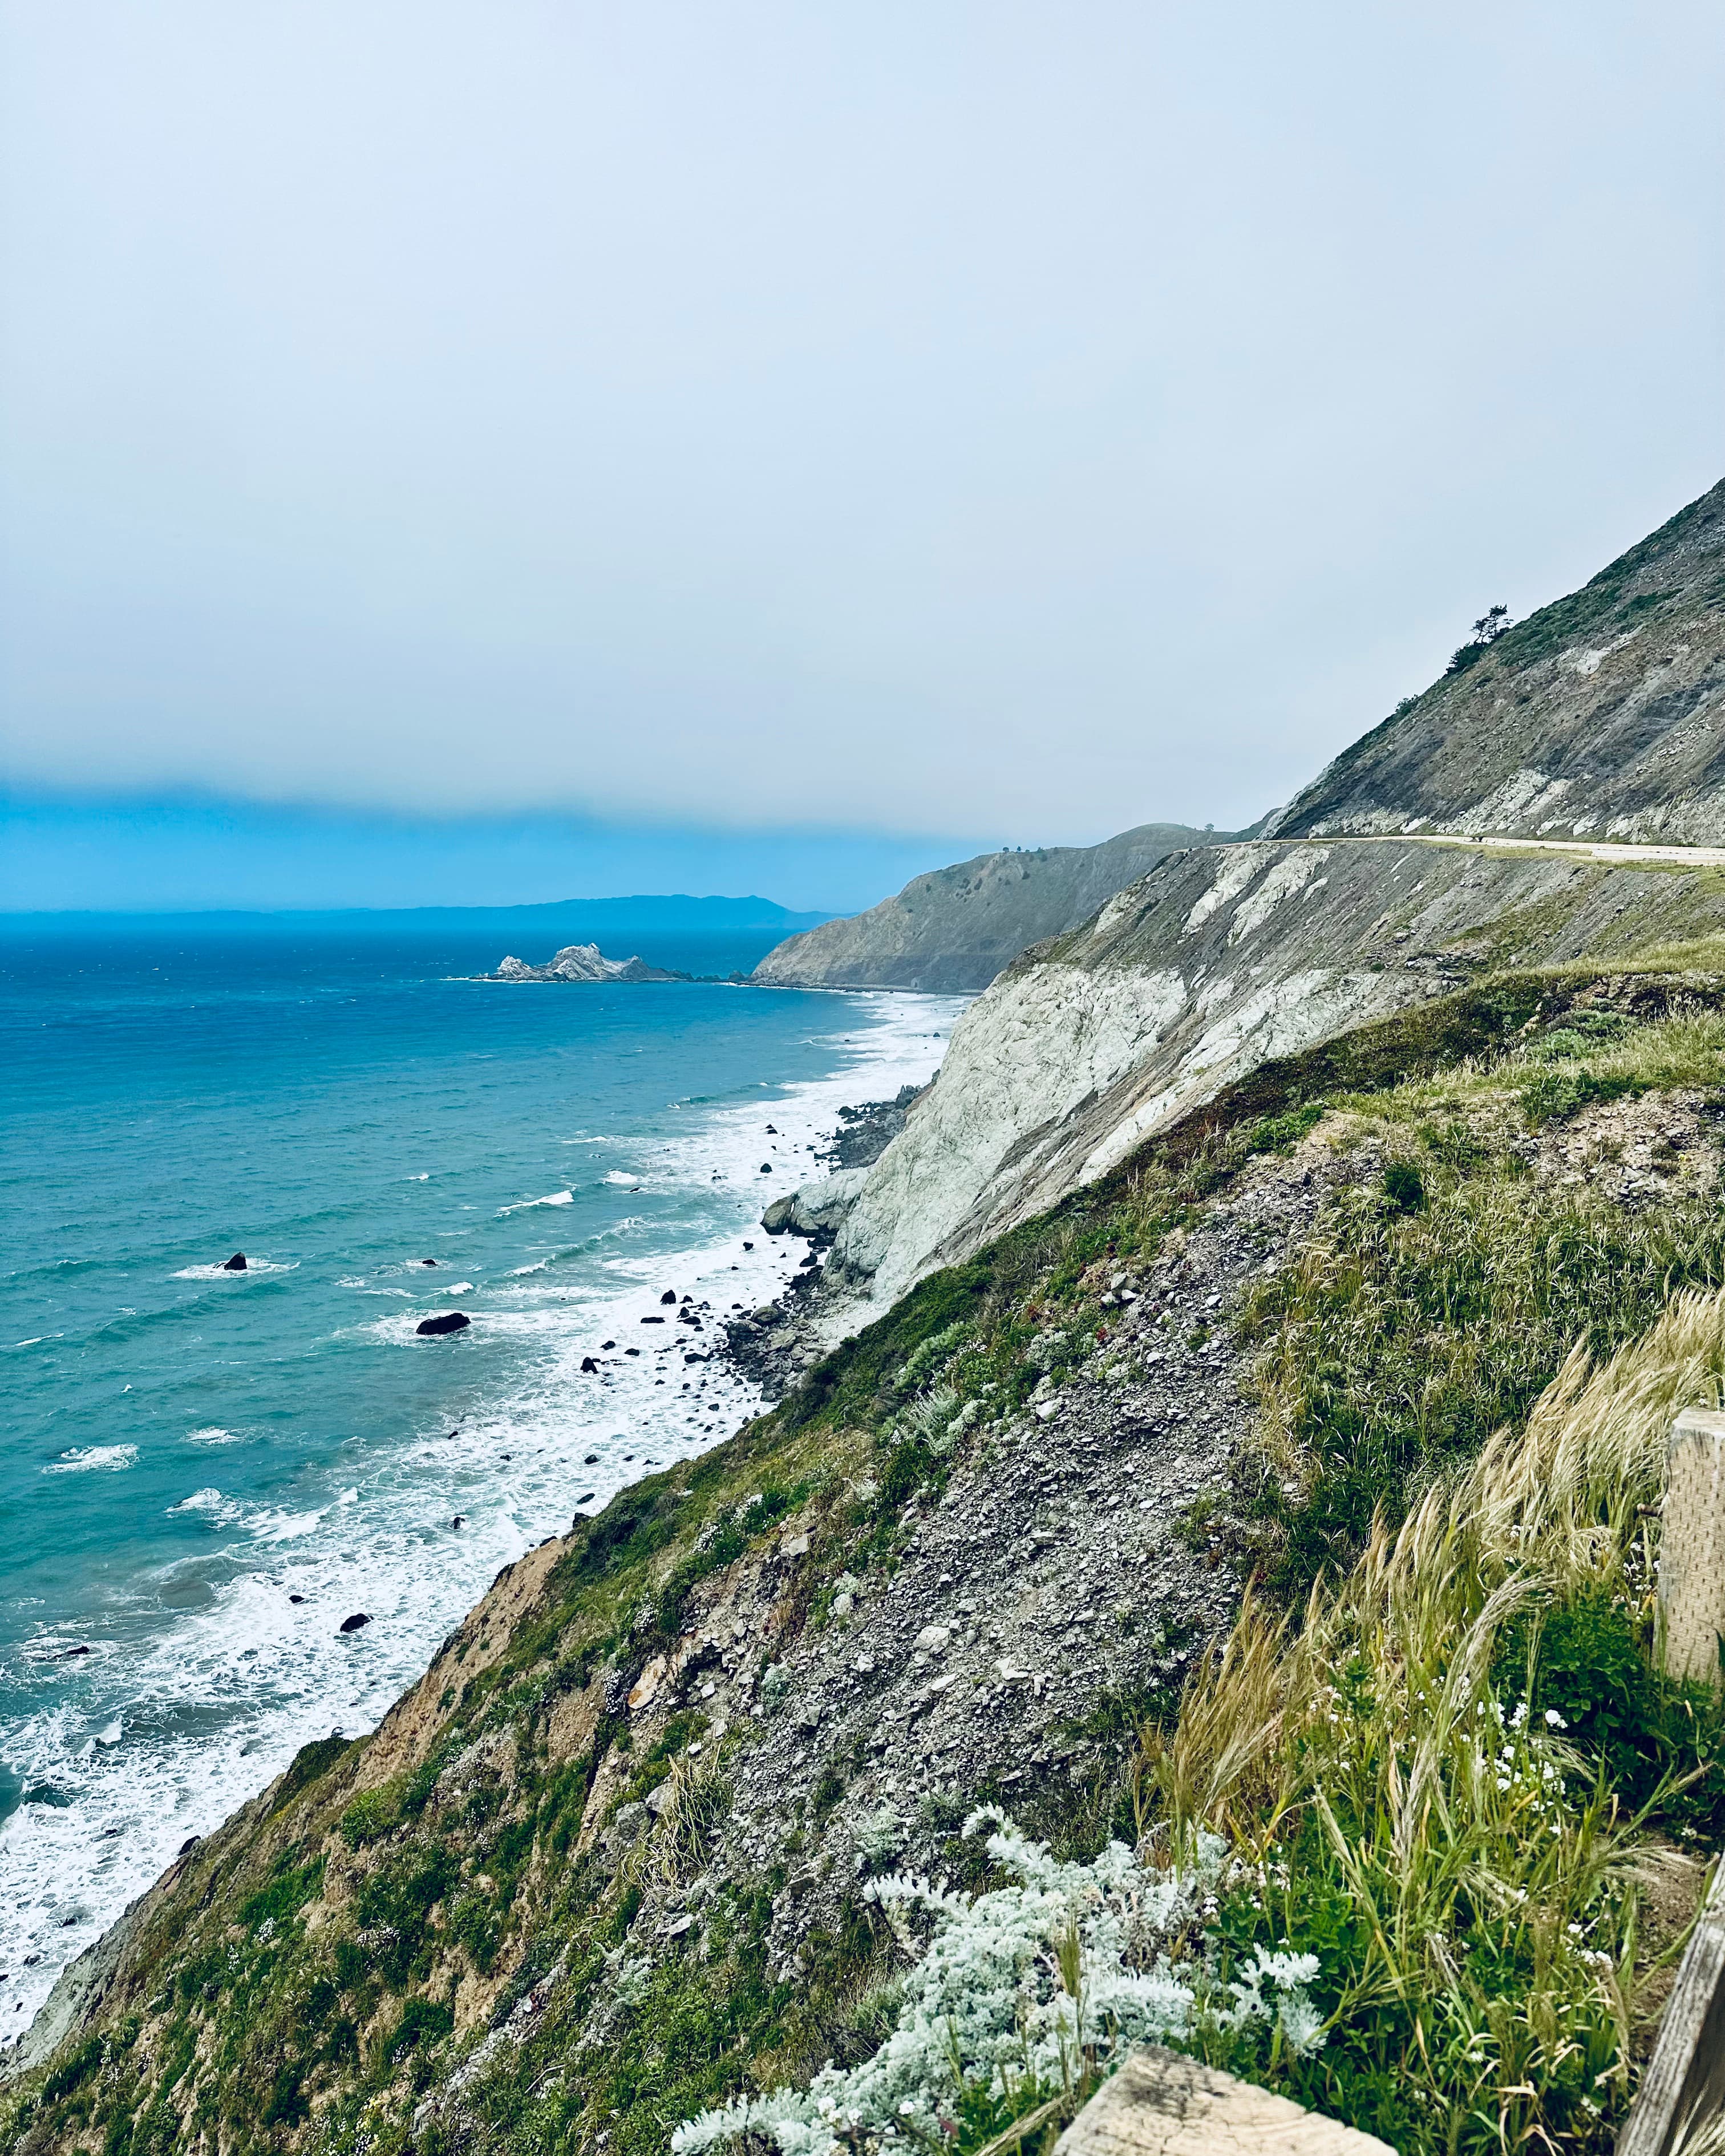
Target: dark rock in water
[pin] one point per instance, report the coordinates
(72, 1653)
(765, 1167)
(636, 1351)
(670, 1296)
(189, 1844)
(748, 1247)
(591, 1460)
(460, 1519)
(771, 1131)
(604, 1344)
(356, 1622)
(652, 1321)
(236, 1264)
(587, 1500)
(811, 1260)
(296, 1598)
(588, 1365)
(427, 1261)
(451, 1321)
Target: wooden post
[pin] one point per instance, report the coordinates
(1683, 2088)
(1691, 1546)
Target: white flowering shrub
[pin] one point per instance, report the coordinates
(1019, 1992)
(881, 1835)
(1289, 2009)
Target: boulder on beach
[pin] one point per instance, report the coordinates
(451, 1320)
(236, 1264)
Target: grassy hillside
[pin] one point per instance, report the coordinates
(1603, 713)
(530, 1913)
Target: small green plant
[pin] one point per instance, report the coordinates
(1659, 1744)
(1404, 1187)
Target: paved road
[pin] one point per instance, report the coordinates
(1692, 857)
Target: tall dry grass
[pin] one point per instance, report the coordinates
(1474, 1893)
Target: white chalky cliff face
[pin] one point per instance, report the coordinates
(1219, 960)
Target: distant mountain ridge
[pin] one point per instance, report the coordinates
(952, 930)
(556, 921)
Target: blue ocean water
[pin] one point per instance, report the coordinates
(205, 1473)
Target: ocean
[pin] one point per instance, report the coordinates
(207, 1473)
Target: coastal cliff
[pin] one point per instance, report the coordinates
(636, 1844)
(1337, 1212)
(1220, 958)
(1215, 962)
(952, 931)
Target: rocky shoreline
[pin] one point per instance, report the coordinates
(774, 1346)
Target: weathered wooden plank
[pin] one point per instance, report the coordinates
(1161, 2104)
(1684, 2085)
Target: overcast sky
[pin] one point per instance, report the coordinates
(922, 418)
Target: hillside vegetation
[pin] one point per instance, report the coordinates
(1602, 714)
(682, 1819)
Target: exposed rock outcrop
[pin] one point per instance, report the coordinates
(951, 932)
(816, 1209)
(583, 961)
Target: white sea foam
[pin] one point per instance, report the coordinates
(617, 1175)
(255, 1268)
(527, 1204)
(92, 1459)
(213, 1436)
(215, 1705)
